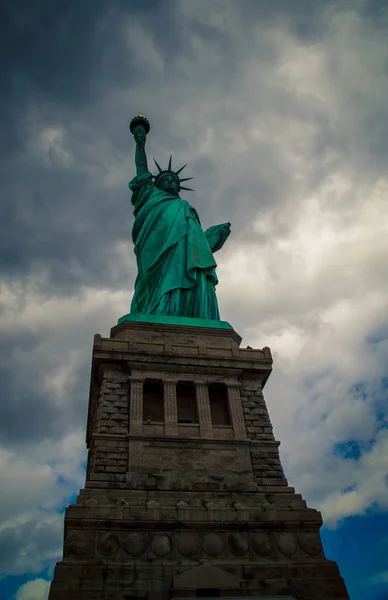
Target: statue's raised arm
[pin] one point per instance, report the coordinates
(140, 126)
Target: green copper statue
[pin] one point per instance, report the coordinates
(176, 267)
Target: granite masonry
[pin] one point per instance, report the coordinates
(185, 494)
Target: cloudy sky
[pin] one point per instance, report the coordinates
(280, 108)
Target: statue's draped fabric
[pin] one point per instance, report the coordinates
(176, 266)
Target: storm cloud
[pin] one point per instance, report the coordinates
(280, 111)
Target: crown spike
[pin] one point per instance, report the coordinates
(185, 188)
(169, 163)
(159, 168)
(186, 178)
(181, 169)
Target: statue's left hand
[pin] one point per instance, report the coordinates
(224, 229)
(217, 235)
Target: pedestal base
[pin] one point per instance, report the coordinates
(185, 495)
(172, 320)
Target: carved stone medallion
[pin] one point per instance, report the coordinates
(107, 543)
(135, 543)
(286, 543)
(161, 545)
(310, 542)
(237, 543)
(262, 543)
(188, 543)
(79, 543)
(213, 544)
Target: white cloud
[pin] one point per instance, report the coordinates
(26, 307)
(370, 482)
(38, 481)
(21, 474)
(48, 144)
(37, 589)
(33, 545)
(381, 577)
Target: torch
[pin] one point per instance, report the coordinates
(142, 121)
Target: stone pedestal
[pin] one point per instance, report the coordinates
(185, 493)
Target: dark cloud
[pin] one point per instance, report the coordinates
(28, 415)
(24, 415)
(62, 219)
(60, 49)
(64, 65)
(30, 408)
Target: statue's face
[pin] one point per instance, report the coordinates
(168, 183)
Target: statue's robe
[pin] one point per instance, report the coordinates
(176, 266)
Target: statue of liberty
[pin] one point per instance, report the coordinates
(176, 267)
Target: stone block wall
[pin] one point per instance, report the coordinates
(113, 404)
(165, 544)
(266, 464)
(110, 456)
(264, 451)
(258, 424)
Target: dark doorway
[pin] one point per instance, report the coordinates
(207, 593)
(153, 402)
(186, 402)
(218, 396)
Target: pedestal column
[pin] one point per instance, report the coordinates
(170, 407)
(136, 405)
(236, 412)
(203, 408)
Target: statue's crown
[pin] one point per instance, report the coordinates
(171, 172)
